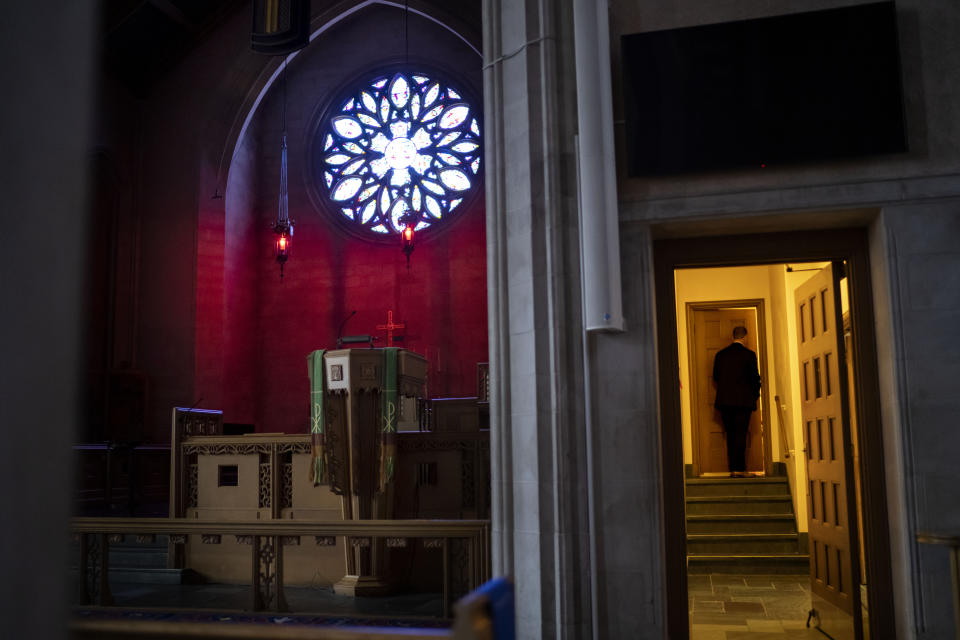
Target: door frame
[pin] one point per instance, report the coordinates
(829, 245)
(746, 303)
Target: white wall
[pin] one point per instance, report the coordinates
(712, 285)
(775, 285)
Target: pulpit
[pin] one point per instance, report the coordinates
(367, 454)
(357, 397)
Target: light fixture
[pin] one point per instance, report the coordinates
(409, 219)
(282, 246)
(406, 238)
(283, 227)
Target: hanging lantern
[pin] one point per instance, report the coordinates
(282, 245)
(283, 227)
(406, 240)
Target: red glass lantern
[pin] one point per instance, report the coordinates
(406, 240)
(282, 245)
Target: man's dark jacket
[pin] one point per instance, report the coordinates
(737, 377)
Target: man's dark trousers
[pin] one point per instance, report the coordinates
(736, 422)
(738, 387)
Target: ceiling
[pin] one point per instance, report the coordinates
(143, 39)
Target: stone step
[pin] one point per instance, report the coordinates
(740, 543)
(134, 575)
(138, 558)
(737, 487)
(132, 554)
(131, 575)
(742, 523)
(737, 505)
(752, 564)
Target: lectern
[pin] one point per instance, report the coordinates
(356, 398)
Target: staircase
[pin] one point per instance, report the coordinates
(742, 526)
(141, 563)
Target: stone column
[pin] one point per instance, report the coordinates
(45, 131)
(538, 461)
(577, 526)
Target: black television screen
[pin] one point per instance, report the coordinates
(764, 92)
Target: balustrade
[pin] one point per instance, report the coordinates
(463, 543)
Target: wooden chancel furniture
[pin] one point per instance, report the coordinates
(346, 474)
(316, 509)
(363, 392)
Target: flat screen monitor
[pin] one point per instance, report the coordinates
(760, 93)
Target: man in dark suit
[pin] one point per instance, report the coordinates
(738, 387)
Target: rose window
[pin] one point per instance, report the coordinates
(403, 148)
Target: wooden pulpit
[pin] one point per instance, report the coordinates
(355, 413)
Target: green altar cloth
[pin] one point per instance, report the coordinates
(389, 410)
(317, 451)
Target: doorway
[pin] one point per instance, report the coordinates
(709, 328)
(832, 493)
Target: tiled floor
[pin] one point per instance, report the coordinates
(731, 607)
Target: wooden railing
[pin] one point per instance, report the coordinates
(121, 478)
(126, 629)
(464, 544)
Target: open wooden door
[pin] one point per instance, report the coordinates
(826, 432)
(712, 331)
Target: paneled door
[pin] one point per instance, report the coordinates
(826, 436)
(712, 331)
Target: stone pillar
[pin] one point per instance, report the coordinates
(45, 129)
(575, 503)
(538, 460)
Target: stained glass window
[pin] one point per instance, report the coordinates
(400, 143)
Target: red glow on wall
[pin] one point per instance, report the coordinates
(268, 330)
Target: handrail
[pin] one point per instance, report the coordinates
(951, 540)
(247, 438)
(467, 540)
(784, 437)
(350, 528)
(126, 628)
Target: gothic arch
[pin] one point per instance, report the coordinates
(248, 81)
(232, 234)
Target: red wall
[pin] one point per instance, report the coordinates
(253, 331)
(199, 311)
(272, 324)
(209, 361)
